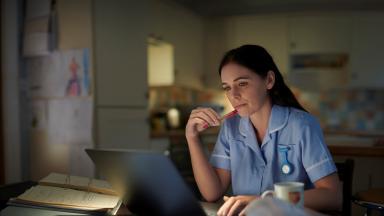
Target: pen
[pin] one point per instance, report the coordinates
(228, 115)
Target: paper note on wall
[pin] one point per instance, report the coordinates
(44, 76)
(60, 74)
(39, 115)
(37, 8)
(70, 121)
(37, 39)
(75, 66)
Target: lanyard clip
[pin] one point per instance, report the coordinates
(286, 167)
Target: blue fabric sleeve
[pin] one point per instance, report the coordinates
(316, 157)
(220, 157)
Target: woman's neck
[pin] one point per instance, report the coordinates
(260, 121)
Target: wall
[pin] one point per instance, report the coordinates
(59, 92)
(10, 68)
(184, 30)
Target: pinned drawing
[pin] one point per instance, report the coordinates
(73, 84)
(60, 74)
(76, 67)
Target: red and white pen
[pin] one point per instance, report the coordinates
(228, 115)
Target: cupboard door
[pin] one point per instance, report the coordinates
(319, 34)
(367, 65)
(267, 31)
(120, 52)
(122, 128)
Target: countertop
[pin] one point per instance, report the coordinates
(340, 143)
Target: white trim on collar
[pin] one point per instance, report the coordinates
(277, 120)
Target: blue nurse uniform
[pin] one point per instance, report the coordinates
(294, 137)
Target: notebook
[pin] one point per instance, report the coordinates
(148, 182)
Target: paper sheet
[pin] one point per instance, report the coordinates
(79, 181)
(75, 66)
(63, 196)
(70, 121)
(37, 37)
(37, 44)
(37, 8)
(60, 74)
(39, 115)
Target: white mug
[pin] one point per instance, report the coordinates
(292, 192)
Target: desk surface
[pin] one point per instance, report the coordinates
(21, 211)
(13, 190)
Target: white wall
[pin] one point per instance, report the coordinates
(10, 12)
(184, 30)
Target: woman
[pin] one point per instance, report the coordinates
(271, 139)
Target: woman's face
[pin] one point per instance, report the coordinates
(246, 90)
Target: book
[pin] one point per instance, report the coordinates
(78, 182)
(60, 191)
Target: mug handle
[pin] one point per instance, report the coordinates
(267, 193)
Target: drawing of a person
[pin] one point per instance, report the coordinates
(73, 85)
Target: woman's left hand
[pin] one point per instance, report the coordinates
(235, 205)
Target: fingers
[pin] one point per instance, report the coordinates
(237, 206)
(234, 205)
(208, 115)
(225, 198)
(224, 209)
(242, 213)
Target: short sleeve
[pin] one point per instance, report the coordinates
(220, 157)
(316, 157)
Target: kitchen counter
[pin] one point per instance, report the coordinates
(340, 143)
(361, 144)
(213, 131)
(356, 151)
(372, 134)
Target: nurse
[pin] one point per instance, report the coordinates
(272, 138)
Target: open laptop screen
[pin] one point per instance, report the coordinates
(148, 181)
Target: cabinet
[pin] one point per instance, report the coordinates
(367, 65)
(319, 34)
(267, 31)
(184, 30)
(122, 128)
(120, 54)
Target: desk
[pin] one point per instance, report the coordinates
(372, 200)
(13, 190)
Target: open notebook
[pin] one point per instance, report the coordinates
(70, 193)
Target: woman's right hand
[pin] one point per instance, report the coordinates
(198, 121)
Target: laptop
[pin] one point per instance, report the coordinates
(148, 182)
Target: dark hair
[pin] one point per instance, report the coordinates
(258, 60)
